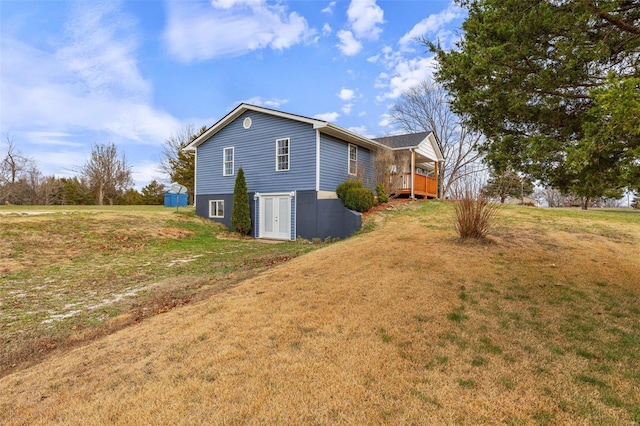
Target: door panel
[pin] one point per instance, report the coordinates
(275, 217)
(283, 215)
(268, 215)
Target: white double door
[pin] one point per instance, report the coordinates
(275, 216)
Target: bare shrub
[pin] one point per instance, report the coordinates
(389, 167)
(474, 216)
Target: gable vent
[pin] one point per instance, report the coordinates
(246, 123)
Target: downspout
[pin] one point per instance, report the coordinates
(413, 170)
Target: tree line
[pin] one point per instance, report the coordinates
(105, 178)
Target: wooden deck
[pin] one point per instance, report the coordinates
(423, 186)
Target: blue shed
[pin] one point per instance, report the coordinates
(172, 199)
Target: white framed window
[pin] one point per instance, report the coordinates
(353, 159)
(282, 155)
(227, 161)
(216, 208)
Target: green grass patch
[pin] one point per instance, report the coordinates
(467, 383)
(386, 337)
(457, 315)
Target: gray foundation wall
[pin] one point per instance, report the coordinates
(324, 218)
(314, 218)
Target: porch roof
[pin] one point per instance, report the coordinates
(425, 144)
(410, 140)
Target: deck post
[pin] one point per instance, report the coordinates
(436, 174)
(413, 172)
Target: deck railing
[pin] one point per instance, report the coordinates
(422, 185)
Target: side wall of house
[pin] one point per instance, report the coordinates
(313, 218)
(203, 202)
(255, 151)
(324, 218)
(334, 164)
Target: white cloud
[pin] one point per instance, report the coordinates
(100, 51)
(373, 59)
(364, 17)
(197, 31)
(432, 25)
(52, 138)
(404, 75)
(146, 171)
(329, 8)
(360, 130)
(61, 162)
(326, 29)
(269, 103)
(385, 120)
(327, 116)
(346, 94)
(228, 4)
(346, 108)
(348, 44)
(91, 82)
(87, 89)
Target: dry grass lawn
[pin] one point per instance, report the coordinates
(400, 325)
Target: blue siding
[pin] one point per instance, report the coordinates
(334, 163)
(255, 152)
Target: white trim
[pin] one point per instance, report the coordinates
(317, 160)
(413, 170)
(292, 214)
(217, 215)
(326, 195)
(288, 155)
(195, 177)
(349, 172)
(320, 125)
(224, 161)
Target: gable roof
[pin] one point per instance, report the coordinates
(321, 125)
(422, 141)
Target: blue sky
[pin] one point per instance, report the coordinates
(73, 74)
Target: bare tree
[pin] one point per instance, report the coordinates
(385, 168)
(177, 164)
(107, 173)
(425, 108)
(14, 167)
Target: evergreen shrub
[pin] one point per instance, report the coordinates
(382, 195)
(241, 212)
(345, 186)
(359, 199)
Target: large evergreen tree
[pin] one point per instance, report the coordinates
(507, 184)
(554, 87)
(153, 194)
(240, 212)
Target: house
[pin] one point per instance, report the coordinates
(416, 158)
(292, 166)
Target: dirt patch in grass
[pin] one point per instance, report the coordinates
(71, 276)
(400, 325)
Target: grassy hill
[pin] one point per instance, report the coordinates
(400, 325)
